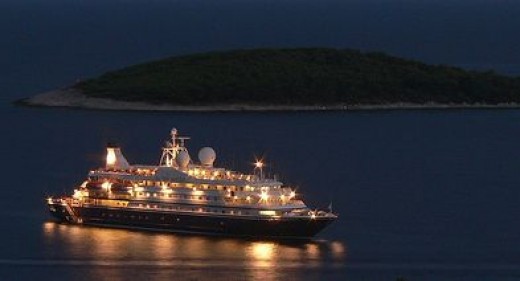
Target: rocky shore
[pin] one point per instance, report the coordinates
(75, 99)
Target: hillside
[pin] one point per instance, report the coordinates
(299, 77)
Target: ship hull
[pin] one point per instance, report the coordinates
(280, 227)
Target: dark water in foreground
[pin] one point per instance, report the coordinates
(428, 195)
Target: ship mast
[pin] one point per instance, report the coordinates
(172, 149)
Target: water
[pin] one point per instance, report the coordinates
(421, 194)
(426, 195)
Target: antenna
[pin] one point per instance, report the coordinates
(172, 149)
(330, 207)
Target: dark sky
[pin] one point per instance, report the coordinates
(58, 41)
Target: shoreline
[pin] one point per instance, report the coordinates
(71, 98)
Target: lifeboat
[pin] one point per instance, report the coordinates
(94, 185)
(119, 187)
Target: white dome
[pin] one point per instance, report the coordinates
(173, 131)
(207, 156)
(183, 159)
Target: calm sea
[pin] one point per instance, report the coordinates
(423, 195)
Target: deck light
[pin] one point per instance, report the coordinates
(264, 196)
(106, 185)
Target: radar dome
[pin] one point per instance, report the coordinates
(183, 159)
(207, 156)
(173, 131)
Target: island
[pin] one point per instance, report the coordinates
(286, 79)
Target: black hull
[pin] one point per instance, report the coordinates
(287, 227)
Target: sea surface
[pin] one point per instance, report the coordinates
(421, 194)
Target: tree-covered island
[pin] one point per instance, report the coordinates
(298, 77)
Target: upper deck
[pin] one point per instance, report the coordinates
(180, 179)
(195, 174)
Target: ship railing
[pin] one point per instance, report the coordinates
(312, 214)
(257, 202)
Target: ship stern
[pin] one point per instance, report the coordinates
(60, 209)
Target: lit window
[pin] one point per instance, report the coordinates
(267, 213)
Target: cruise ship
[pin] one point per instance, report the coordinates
(182, 195)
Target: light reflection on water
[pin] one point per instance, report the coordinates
(120, 249)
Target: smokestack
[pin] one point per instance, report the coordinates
(115, 159)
